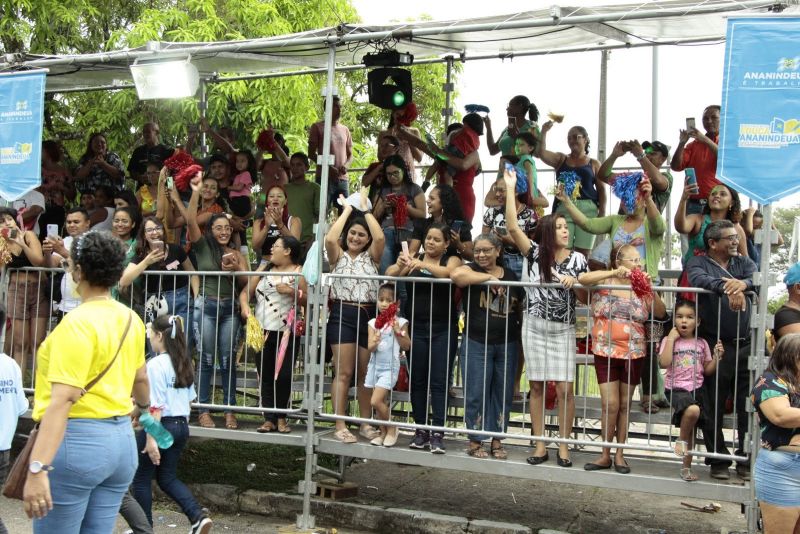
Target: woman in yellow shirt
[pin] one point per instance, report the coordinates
(85, 456)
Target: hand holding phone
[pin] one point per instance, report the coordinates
(690, 124)
(691, 179)
(52, 230)
(456, 226)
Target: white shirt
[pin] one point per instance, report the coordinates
(174, 402)
(25, 202)
(13, 402)
(69, 299)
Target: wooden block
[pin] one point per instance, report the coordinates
(336, 491)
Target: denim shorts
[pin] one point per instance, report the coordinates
(777, 478)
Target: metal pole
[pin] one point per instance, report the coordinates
(603, 105)
(757, 366)
(653, 137)
(448, 87)
(306, 520)
(203, 107)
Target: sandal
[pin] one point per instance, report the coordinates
(283, 426)
(650, 407)
(230, 421)
(268, 426)
(687, 475)
(477, 452)
(205, 420)
(680, 447)
(369, 432)
(499, 453)
(345, 436)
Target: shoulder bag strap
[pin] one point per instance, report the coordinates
(104, 371)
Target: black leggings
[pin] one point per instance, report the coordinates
(275, 393)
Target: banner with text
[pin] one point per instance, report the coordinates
(759, 150)
(21, 114)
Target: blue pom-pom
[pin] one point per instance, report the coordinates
(476, 108)
(570, 179)
(626, 188)
(522, 180)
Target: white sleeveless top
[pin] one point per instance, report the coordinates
(273, 307)
(353, 288)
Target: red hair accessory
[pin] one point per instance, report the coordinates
(400, 208)
(640, 283)
(386, 317)
(409, 114)
(266, 140)
(183, 167)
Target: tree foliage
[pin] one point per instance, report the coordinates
(289, 104)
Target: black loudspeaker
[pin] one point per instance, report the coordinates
(389, 88)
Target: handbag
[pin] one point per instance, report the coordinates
(18, 474)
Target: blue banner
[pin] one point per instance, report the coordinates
(759, 150)
(21, 114)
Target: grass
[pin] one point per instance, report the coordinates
(277, 468)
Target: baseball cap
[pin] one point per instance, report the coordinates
(792, 275)
(657, 146)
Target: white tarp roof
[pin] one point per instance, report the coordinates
(543, 31)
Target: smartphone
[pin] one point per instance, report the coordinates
(9, 233)
(404, 246)
(158, 244)
(690, 123)
(691, 178)
(227, 257)
(512, 123)
(52, 230)
(456, 226)
(170, 182)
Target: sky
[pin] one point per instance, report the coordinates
(690, 78)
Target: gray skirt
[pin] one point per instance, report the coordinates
(549, 349)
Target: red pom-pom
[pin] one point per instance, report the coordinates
(409, 114)
(387, 316)
(640, 283)
(266, 140)
(185, 176)
(179, 161)
(400, 208)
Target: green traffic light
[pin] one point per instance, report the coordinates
(398, 99)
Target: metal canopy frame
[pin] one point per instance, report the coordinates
(559, 30)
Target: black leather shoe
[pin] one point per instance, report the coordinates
(536, 460)
(622, 469)
(595, 467)
(563, 462)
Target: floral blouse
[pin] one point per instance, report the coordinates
(767, 387)
(618, 330)
(353, 288)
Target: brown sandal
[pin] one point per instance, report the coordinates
(283, 426)
(205, 420)
(477, 452)
(268, 426)
(499, 452)
(230, 421)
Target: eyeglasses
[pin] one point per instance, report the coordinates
(394, 174)
(479, 251)
(153, 230)
(732, 238)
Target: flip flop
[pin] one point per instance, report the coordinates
(650, 407)
(345, 436)
(687, 475)
(477, 452)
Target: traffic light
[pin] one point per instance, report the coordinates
(389, 88)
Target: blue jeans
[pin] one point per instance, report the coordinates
(389, 257)
(513, 262)
(488, 386)
(218, 326)
(165, 473)
(433, 349)
(93, 467)
(335, 188)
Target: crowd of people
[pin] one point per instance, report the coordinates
(246, 212)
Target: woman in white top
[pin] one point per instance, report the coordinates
(276, 294)
(171, 376)
(354, 246)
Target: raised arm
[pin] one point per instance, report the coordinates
(607, 167)
(677, 158)
(554, 159)
(657, 178)
(521, 240)
(192, 227)
(577, 216)
(686, 224)
(332, 247)
(491, 144)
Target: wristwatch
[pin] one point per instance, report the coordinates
(36, 467)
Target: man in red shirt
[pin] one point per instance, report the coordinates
(700, 154)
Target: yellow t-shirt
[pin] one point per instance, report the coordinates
(78, 350)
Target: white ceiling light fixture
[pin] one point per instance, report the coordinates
(165, 79)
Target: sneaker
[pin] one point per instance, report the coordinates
(720, 472)
(202, 526)
(421, 440)
(437, 443)
(743, 471)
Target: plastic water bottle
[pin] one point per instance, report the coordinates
(157, 430)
